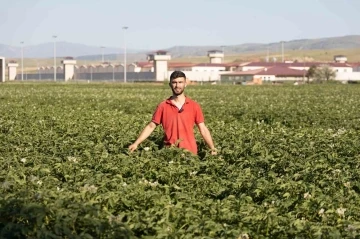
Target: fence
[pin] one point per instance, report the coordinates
(41, 76)
(98, 76)
(116, 76)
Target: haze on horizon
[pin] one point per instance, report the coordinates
(165, 23)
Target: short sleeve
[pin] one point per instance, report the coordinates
(199, 116)
(157, 116)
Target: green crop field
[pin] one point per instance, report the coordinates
(288, 163)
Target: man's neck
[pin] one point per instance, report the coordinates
(178, 98)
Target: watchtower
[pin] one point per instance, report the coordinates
(160, 59)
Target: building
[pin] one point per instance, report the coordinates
(337, 67)
(180, 66)
(141, 67)
(340, 59)
(266, 74)
(159, 63)
(216, 56)
(2, 69)
(344, 71)
(209, 67)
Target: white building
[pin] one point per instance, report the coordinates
(209, 67)
(216, 56)
(272, 73)
(340, 59)
(2, 69)
(12, 70)
(339, 68)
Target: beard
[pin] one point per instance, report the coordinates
(177, 91)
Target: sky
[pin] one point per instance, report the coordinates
(160, 24)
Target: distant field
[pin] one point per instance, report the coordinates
(353, 55)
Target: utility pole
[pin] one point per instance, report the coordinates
(125, 28)
(54, 57)
(22, 60)
(223, 51)
(282, 51)
(102, 54)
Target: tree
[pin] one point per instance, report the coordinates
(311, 72)
(324, 73)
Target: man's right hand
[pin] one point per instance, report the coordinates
(133, 147)
(144, 134)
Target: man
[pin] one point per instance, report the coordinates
(178, 115)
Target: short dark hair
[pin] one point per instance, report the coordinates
(177, 74)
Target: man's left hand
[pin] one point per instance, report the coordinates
(213, 152)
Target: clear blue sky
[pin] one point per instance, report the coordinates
(156, 24)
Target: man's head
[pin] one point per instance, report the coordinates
(177, 82)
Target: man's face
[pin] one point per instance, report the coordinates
(178, 85)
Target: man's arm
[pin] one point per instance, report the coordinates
(205, 133)
(144, 134)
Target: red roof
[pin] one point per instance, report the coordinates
(180, 64)
(355, 64)
(231, 64)
(239, 73)
(298, 64)
(144, 64)
(336, 64)
(281, 71)
(211, 64)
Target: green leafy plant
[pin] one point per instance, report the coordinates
(288, 163)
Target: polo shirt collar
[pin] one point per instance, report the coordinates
(187, 100)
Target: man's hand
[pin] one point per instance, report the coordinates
(133, 147)
(144, 134)
(205, 133)
(214, 152)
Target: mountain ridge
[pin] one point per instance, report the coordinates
(86, 52)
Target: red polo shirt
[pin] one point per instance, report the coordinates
(179, 124)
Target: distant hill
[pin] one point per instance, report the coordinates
(85, 52)
(344, 42)
(63, 49)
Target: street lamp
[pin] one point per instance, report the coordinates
(91, 72)
(22, 60)
(222, 48)
(38, 68)
(113, 75)
(102, 54)
(54, 57)
(282, 51)
(303, 68)
(125, 28)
